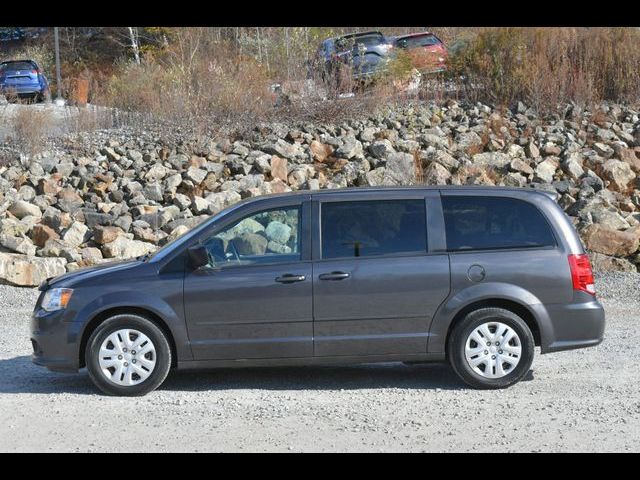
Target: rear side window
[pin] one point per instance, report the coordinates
(371, 228)
(484, 223)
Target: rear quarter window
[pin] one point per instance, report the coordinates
(487, 223)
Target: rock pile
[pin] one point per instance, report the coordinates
(120, 194)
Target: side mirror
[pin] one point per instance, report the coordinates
(198, 256)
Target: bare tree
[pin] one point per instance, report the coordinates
(133, 35)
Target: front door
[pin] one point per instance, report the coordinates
(254, 299)
(376, 285)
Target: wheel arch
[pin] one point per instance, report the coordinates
(519, 309)
(120, 310)
(492, 294)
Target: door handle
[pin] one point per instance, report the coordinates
(290, 278)
(334, 276)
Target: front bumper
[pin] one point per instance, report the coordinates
(55, 341)
(576, 325)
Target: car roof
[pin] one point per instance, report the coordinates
(413, 188)
(414, 35)
(19, 61)
(357, 34)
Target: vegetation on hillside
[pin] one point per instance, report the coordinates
(205, 76)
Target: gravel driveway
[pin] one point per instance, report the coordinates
(581, 400)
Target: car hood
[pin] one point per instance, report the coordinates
(84, 274)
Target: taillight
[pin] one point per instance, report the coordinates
(581, 273)
(35, 71)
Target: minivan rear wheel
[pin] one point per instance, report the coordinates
(491, 348)
(128, 355)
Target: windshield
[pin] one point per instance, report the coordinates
(418, 41)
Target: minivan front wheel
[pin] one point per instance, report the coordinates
(128, 355)
(491, 348)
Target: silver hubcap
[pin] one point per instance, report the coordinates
(127, 357)
(493, 350)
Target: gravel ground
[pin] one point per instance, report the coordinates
(582, 400)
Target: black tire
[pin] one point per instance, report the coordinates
(464, 328)
(143, 325)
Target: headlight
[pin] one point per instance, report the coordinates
(56, 299)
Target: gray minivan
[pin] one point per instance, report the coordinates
(474, 275)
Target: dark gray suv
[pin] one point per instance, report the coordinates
(476, 276)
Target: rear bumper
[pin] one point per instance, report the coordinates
(21, 89)
(572, 326)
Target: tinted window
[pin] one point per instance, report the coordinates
(265, 237)
(346, 43)
(17, 66)
(474, 223)
(363, 229)
(420, 41)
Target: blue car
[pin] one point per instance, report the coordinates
(23, 79)
(366, 53)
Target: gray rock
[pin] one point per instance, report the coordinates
(492, 159)
(381, 149)
(251, 244)
(124, 248)
(546, 169)
(18, 244)
(222, 200)
(399, 170)
(436, 174)
(153, 191)
(76, 234)
(278, 232)
(182, 201)
(349, 149)
(156, 172)
(21, 209)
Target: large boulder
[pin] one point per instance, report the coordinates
(279, 168)
(492, 159)
(602, 239)
(546, 169)
(436, 174)
(278, 232)
(251, 244)
(400, 169)
(18, 244)
(42, 233)
(123, 248)
(619, 174)
(29, 271)
(76, 234)
(220, 201)
(606, 263)
(320, 151)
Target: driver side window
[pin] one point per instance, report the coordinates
(270, 236)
